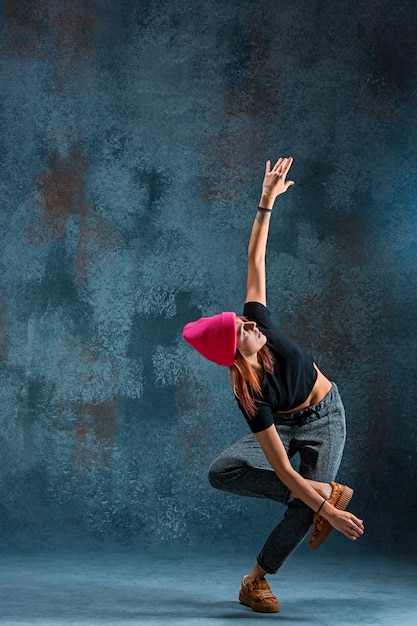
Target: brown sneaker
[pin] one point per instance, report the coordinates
(340, 498)
(258, 596)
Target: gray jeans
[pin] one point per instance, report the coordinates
(318, 435)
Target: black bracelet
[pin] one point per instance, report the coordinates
(260, 208)
(321, 505)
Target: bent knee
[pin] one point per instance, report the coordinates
(222, 472)
(215, 475)
(226, 473)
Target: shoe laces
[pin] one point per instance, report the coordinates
(260, 589)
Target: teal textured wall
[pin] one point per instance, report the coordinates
(133, 141)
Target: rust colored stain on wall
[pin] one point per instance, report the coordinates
(62, 193)
(95, 430)
(62, 190)
(227, 150)
(60, 29)
(72, 25)
(26, 21)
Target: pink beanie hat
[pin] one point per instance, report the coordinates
(214, 337)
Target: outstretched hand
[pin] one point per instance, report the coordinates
(275, 182)
(348, 524)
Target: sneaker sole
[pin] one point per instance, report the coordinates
(341, 505)
(257, 606)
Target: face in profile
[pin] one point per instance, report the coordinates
(249, 338)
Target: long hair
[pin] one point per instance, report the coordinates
(245, 381)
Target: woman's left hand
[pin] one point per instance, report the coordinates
(346, 523)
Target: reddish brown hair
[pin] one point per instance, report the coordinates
(245, 382)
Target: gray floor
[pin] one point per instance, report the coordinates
(135, 588)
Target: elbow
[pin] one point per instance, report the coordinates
(256, 252)
(256, 259)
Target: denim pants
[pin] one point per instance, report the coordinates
(318, 434)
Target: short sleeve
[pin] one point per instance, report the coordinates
(262, 420)
(257, 312)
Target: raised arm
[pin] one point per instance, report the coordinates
(273, 185)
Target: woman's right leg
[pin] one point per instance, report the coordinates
(243, 470)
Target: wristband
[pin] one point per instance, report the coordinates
(321, 505)
(260, 208)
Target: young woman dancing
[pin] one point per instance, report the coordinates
(290, 407)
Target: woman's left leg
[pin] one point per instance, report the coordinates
(320, 444)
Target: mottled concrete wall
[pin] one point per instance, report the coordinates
(133, 138)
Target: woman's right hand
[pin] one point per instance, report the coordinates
(274, 182)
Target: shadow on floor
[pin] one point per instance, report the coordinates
(116, 588)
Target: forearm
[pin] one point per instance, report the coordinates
(273, 185)
(300, 488)
(259, 237)
(303, 490)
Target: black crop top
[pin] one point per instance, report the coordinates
(294, 373)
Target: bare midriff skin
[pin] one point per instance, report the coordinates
(320, 390)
